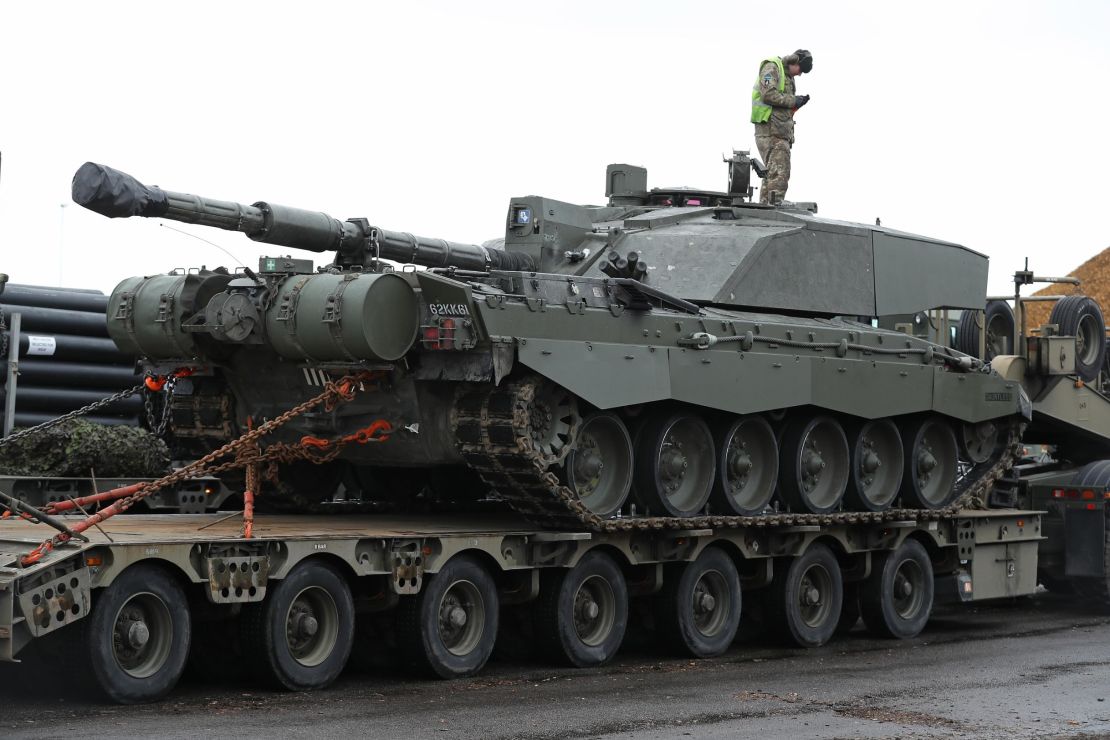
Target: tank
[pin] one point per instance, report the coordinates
(674, 353)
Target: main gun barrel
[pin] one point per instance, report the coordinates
(116, 194)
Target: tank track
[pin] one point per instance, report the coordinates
(492, 430)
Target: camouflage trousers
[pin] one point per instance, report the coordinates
(775, 153)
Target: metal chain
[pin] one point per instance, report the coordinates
(71, 415)
(334, 393)
(158, 427)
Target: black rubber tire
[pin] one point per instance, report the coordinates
(877, 593)
(264, 627)
(784, 609)
(553, 612)
(675, 608)
(792, 464)
(1073, 312)
(416, 621)
(849, 610)
(998, 317)
(647, 480)
(144, 586)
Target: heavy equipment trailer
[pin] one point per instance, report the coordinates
(133, 598)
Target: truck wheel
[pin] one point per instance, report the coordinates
(449, 628)
(897, 598)
(805, 597)
(674, 465)
(581, 613)
(698, 610)
(300, 637)
(1079, 316)
(931, 462)
(138, 635)
(815, 463)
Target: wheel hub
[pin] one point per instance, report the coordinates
(138, 635)
(870, 462)
(740, 463)
(811, 596)
(673, 464)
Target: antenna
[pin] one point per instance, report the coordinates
(201, 238)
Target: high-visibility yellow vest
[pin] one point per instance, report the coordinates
(761, 112)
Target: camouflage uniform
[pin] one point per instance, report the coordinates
(774, 138)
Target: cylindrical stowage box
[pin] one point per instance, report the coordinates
(145, 313)
(342, 318)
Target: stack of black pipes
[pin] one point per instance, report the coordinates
(66, 360)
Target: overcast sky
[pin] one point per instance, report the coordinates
(981, 123)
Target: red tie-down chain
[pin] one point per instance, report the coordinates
(246, 452)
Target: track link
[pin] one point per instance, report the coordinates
(492, 430)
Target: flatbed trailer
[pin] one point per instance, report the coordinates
(143, 586)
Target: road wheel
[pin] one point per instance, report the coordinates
(599, 467)
(674, 465)
(747, 466)
(138, 635)
(805, 598)
(449, 628)
(698, 610)
(582, 612)
(815, 463)
(300, 636)
(1079, 316)
(931, 462)
(876, 466)
(897, 598)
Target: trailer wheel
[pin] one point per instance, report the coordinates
(897, 598)
(300, 637)
(449, 628)
(998, 317)
(698, 610)
(581, 614)
(805, 598)
(138, 636)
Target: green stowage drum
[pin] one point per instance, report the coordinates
(343, 317)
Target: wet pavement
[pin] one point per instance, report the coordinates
(1036, 667)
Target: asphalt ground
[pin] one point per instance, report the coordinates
(1036, 667)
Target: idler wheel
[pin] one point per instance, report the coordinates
(599, 466)
(876, 466)
(931, 462)
(815, 462)
(674, 465)
(747, 466)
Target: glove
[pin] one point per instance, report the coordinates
(800, 100)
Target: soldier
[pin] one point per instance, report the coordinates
(773, 106)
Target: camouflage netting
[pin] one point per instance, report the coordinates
(77, 447)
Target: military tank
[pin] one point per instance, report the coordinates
(673, 354)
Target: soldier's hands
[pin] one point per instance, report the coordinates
(800, 100)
